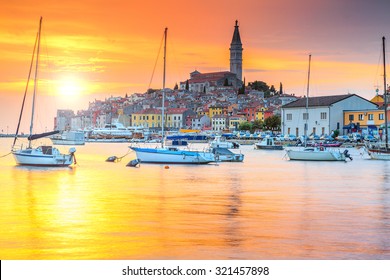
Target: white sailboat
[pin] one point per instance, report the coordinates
(170, 154)
(315, 153)
(382, 152)
(42, 155)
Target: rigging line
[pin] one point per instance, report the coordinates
(5, 155)
(155, 64)
(25, 92)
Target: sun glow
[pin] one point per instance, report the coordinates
(69, 87)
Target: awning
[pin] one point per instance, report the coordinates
(372, 127)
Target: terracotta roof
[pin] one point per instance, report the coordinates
(149, 111)
(319, 101)
(176, 110)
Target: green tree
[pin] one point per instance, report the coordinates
(226, 83)
(259, 85)
(281, 89)
(272, 123)
(176, 87)
(245, 126)
(187, 85)
(257, 125)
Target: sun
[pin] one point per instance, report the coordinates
(69, 87)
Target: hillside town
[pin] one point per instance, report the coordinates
(223, 102)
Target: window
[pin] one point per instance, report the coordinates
(361, 117)
(323, 115)
(351, 117)
(370, 117)
(381, 116)
(289, 117)
(305, 116)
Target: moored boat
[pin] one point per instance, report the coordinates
(268, 143)
(68, 138)
(42, 155)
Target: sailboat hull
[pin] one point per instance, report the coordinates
(316, 155)
(379, 154)
(167, 155)
(43, 156)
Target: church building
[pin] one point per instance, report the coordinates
(205, 82)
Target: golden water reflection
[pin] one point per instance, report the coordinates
(264, 208)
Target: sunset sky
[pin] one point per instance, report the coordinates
(92, 49)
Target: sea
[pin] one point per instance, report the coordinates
(266, 207)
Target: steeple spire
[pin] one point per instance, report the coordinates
(236, 53)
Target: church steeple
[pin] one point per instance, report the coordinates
(236, 53)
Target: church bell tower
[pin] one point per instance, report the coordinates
(236, 53)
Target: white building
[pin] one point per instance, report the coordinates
(219, 122)
(324, 113)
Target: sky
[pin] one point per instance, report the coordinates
(94, 49)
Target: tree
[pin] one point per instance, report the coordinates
(245, 126)
(272, 123)
(257, 125)
(272, 90)
(259, 85)
(176, 87)
(226, 83)
(241, 90)
(281, 89)
(187, 85)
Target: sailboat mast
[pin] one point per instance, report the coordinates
(307, 101)
(385, 90)
(35, 82)
(163, 89)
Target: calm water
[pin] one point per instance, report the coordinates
(264, 208)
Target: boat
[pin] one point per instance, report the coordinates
(221, 142)
(319, 153)
(268, 143)
(190, 137)
(42, 155)
(224, 154)
(167, 154)
(111, 132)
(68, 137)
(382, 151)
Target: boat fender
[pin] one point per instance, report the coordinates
(133, 163)
(111, 159)
(347, 155)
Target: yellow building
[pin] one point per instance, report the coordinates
(215, 110)
(260, 114)
(235, 121)
(147, 118)
(364, 119)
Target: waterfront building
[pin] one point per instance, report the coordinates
(150, 118)
(235, 121)
(219, 123)
(324, 113)
(63, 120)
(200, 122)
(364, 121)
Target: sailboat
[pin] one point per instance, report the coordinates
(170, 154)
(380, 152)
(320, 153)
(42, 155)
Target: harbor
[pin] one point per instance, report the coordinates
(265, 207)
